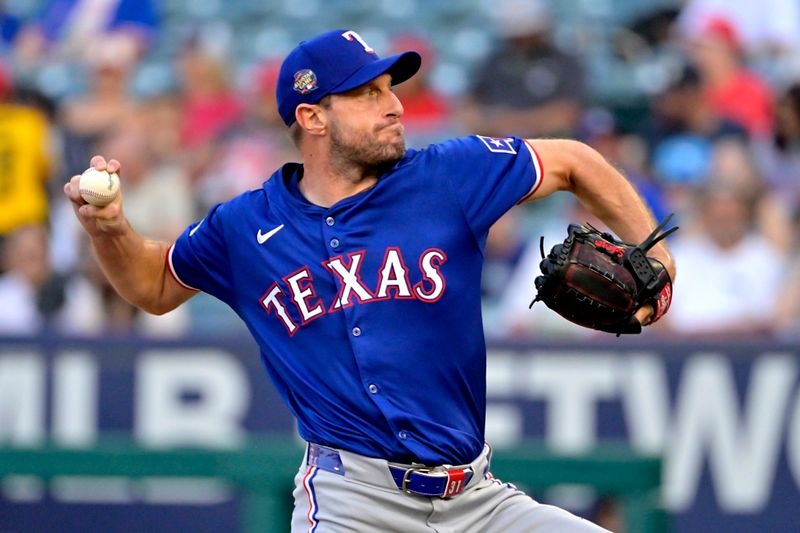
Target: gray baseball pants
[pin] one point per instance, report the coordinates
(364, 498)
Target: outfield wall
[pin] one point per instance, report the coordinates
(725, 418)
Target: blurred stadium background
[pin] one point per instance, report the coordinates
(697, 101)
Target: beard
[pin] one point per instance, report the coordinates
(350, 148)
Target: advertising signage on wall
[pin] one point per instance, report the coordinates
(725, 418)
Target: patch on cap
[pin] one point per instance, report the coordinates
(305, 81)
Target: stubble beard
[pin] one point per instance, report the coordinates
(365, 151)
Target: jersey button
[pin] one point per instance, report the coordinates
(356, 331)
(373, 388)
(334, 243)
(330, 221)
(402, 434)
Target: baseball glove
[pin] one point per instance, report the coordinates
(599, 282)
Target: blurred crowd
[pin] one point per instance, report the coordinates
(715, 139)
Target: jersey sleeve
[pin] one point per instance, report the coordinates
(488, 175)
(198, 259)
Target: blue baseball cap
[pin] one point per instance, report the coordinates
(335, 62)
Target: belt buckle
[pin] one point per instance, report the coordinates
(407, 477)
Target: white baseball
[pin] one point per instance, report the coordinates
(98, 187)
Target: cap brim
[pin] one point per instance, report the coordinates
(400, 67)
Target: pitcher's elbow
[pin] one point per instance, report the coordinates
(157, 308)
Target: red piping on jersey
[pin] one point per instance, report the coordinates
(172, 272)
(541, 173)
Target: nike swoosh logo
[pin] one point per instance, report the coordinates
(262, 237)
(197, 227)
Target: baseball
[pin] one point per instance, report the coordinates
(98, 187)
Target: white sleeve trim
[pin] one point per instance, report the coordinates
(171, 267)
(538, 169)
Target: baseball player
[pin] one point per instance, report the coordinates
(358, 274)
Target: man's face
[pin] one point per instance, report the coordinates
(365, 127)
(727, 217)
(26, 254)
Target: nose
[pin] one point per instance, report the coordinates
(394, 106)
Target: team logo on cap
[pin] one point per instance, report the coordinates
(305, 81)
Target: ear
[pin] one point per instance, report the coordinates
(311, 118)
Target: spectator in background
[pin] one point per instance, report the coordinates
(30, 292)
(210, 106)
(89, 295)
(648, 34)
(528, 85)
(245, 153)
(736, 273)
(36, 299)
(779, 157)
(731, 90)
(768, 29)
(107, 103)
(788, 313)
(66, 28)
(24, 161)
(10, 25)
(427, 115)
(735, 162)
(681, 132)
(683, 165)
(161, 123)
(682, 111)
(505, 246)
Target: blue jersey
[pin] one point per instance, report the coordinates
(368, 313)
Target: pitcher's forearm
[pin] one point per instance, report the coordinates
(602, 189)
(615, 201)
(134, 266)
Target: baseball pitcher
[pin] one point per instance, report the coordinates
(358, 272)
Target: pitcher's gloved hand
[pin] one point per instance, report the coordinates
(599, 282)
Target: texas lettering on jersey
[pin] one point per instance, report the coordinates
(393, 283)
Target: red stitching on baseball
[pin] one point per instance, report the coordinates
(95, 194)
